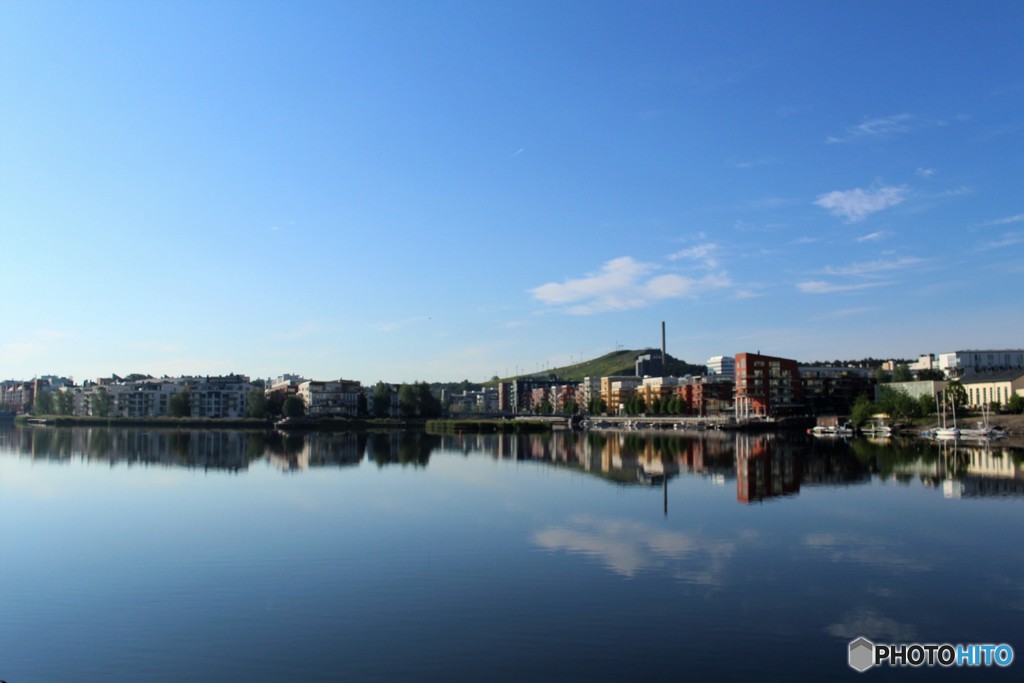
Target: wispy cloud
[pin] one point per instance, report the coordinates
(925, 172)
(857, 204)
(863, 620)
(1007, 220)
(871, 267)
(754, 163)
(822, 287)
(703, 253)
(884, 553)
(871, 237)
(1007, 239)
(627, 548)
(623, 284)
(884, 126)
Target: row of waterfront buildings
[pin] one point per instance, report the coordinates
(754, 385)
(225, 396)
(747, 385)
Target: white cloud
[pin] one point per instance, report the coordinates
(752, 163)
(1003, 221)
(863, 620)
(870, 237)
(628, 548)
(623, 284)
(1006, 240)
(856, 205)
(925, 172)
(869, 267)
(822, 287)
(704, 253)
(886, 125)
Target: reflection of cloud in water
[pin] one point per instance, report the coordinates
(873, 626)
(869, 550)
(629, 547)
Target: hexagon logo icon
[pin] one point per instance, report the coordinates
(862, 654)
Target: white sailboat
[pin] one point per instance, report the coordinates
(945, 432)
(983, 432)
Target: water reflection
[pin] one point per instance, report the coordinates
(627, 547)
(762, 467)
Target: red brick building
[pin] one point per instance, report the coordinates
(767, 386)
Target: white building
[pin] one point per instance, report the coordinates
(143, 398)
(590, 388)
(958, 363)
(926, 361)
(333, 398)
(722, 366)
(224, 396)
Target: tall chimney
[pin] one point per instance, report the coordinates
(664, 361)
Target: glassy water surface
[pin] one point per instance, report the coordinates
(157, 555)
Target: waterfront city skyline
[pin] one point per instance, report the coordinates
(455, 190)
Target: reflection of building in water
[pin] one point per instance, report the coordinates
(623, 457)
(317, 449)
(208, 449)
(982, 470)
(764, 469)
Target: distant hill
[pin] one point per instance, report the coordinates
(616, 363)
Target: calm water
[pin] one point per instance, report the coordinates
(143, 555)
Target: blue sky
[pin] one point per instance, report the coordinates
(449, 190)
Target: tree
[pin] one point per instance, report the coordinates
(417, 400)
(862, 410)
(956, 394)
(381, 400)
(926, 403)
(1015, 404)
(64, 403)
(294, 407)
(902, 374)
(275, 403)
(898, 404)
(43, 404)
(571, 406)
(102, 403)
(178, 405)
(256, 401)
(361, 404)
(881, 376)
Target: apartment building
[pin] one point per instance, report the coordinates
(332, 398)
(218, 397)
(616, 390)
(833, 390)
(960, 363)
(767, 386)
(142, 398)
(722, 366)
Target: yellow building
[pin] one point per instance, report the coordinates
(993, 387)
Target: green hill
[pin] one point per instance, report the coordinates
(616, 363)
